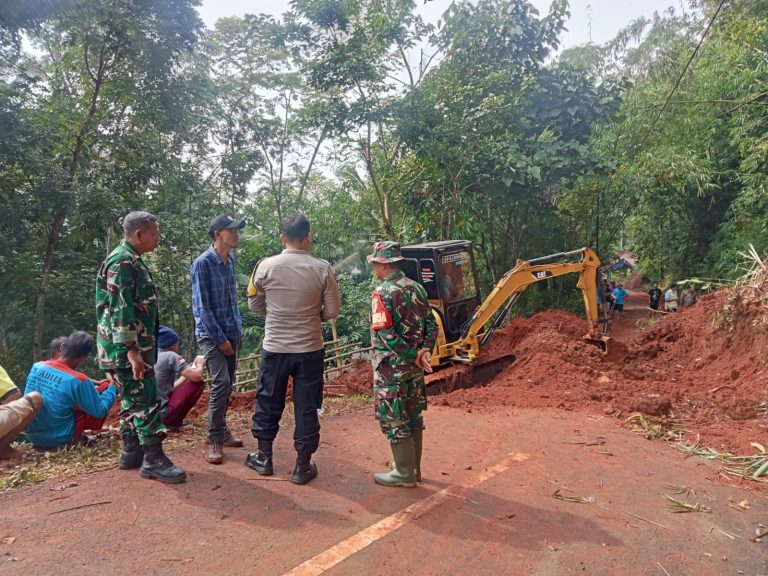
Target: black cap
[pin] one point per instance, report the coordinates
(223, 221)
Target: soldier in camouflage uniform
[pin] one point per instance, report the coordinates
(127, 315)
(403, 333)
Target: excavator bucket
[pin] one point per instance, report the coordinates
(463, 375)
(605, 343)
(613, 350)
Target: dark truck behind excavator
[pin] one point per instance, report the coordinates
(465, 322)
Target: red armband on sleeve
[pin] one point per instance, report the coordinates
(380, 316)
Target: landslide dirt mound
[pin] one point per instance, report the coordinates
(358, 380)
(711, 375)
(553, 367)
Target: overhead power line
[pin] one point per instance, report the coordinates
(682, 74)
(658, 115)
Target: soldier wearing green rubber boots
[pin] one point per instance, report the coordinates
(403, 333)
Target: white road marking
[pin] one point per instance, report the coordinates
(335, 554)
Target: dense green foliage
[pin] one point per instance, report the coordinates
(688, 193)
(375, 124)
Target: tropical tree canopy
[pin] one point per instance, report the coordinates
(376, 124)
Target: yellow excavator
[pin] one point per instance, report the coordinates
(447, 271)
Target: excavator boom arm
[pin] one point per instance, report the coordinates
(529, 272)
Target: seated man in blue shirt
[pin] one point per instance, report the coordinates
(64, 390)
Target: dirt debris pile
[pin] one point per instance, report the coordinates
(694, 365)
(356, 380)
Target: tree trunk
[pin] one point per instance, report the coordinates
(42, 296)
(492, 241)
(54, 233)
(382, 194)
(305, 178)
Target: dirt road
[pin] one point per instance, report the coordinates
(486, 507)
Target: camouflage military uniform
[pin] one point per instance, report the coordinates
(401, 325)
(127, 312)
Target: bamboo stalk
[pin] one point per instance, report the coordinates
(352, 353)
(337, 368)
(345, 346)
(244, 382)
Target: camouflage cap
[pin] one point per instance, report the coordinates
(385, 252)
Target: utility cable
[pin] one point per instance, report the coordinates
(660, 112)
(680, 77)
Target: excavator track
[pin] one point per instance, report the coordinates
(459, 375)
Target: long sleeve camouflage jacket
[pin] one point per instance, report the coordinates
(401, 321)
(127, 309)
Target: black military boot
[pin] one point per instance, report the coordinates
(305, 469)
(133, 454)
(261, 461)
(158, 466)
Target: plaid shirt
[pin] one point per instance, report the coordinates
(214, 298)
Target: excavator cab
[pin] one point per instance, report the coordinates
(447, 271)
(465, 322)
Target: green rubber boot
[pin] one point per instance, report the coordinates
(402, 475)
(417, 437)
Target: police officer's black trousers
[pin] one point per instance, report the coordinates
(306, 368)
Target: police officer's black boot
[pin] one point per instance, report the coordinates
(261, 461)
(305, 469)
(158, 466)
(403, 473)
(417, 438)
(133, 454)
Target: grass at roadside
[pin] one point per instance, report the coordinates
(35, 466)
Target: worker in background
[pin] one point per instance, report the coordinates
(127, 313)
(688, 297)
(296, 292)
(619, 293)
(654, 297)
(671, 299)
(403, 333)
(607, 298)
(16, 413)
(71, 401)
(179, 384)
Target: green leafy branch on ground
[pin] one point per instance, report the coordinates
(672, 431)
(36, 466)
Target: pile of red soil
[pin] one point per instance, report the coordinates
(711, 376)
(238, 401)
(357, 380)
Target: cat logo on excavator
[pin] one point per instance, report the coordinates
(447, 271)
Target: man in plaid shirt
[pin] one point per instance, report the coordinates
(218, 326)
